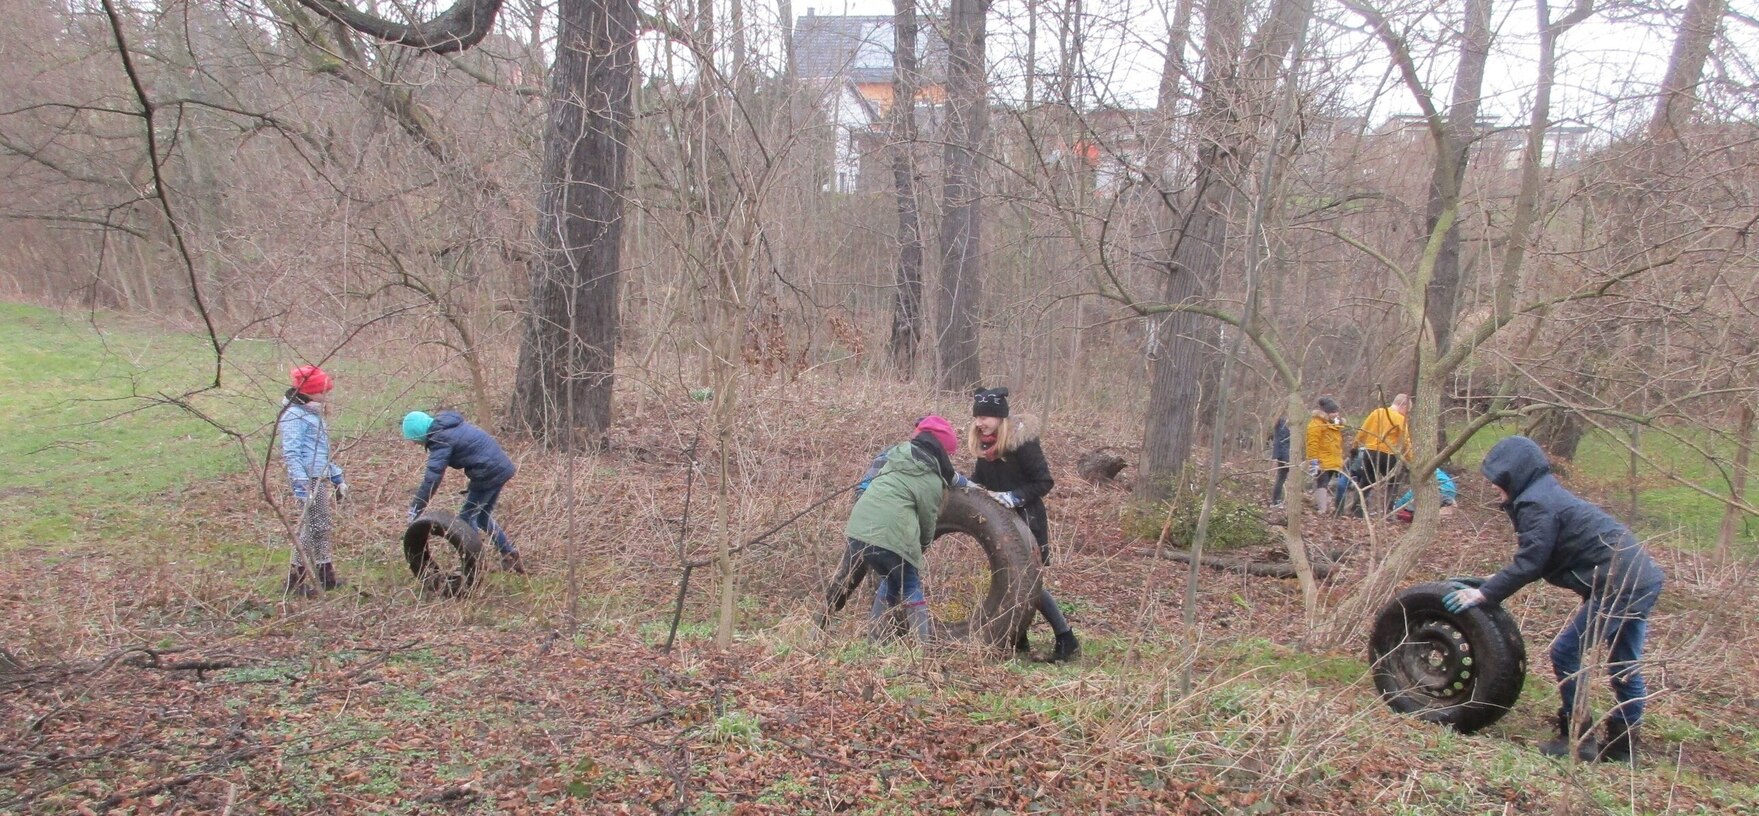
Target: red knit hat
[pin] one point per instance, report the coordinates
(941, 430)
(310, 380)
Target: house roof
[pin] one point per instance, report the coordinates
(859, 48)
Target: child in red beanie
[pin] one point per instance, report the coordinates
(305, 450)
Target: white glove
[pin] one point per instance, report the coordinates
(341, 489)
(1007, 499)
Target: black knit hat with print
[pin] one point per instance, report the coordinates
(990, 402)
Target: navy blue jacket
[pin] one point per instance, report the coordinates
(454, 443)
(1564, 539)
(1279, 441)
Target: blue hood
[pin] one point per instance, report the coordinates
(1514, 464)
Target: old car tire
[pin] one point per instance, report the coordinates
(465, 542)
(1460, 669)
(1012, 553)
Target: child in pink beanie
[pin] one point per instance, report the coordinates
(894, 520)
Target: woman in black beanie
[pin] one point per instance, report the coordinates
(1010, 464)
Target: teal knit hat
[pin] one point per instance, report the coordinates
(415, 426)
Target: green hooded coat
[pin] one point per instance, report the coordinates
(899, 509)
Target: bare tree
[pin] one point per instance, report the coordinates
(960, 298)
(566, 366)
(907, 301)
(1237, 88)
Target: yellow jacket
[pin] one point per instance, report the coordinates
(1384, 430)
(1325, 442)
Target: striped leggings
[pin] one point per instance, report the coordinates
(316, 518)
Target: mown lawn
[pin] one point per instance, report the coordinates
(1687, 517)
(92, 435)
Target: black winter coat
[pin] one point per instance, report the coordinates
(452, 442)
(1563, 539)
(1021, 470)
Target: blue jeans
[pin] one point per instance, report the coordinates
(1622, 622)
(479, 503)
(899, 582)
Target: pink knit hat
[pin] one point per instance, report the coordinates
(941, 430)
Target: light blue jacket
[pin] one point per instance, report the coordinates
(305, 446)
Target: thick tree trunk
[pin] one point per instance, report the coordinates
(1175, 381)
(566, 362)
(907, 300)
(1450, 170)
(961, 293)
(1685, 67)
(1192, 256)
(1559, 431)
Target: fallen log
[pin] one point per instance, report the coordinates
(1100, 466)
(1323, 564)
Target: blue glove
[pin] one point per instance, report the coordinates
(1461, 600)
(1008, 499)
(959, 480)
(299, 491)
(1313, 468)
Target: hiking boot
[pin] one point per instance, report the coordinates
(1022, 646)
(1067, 647)
(296, 583)
(1621, 742)
(1584, 746)
(510, 562)
(327, 577)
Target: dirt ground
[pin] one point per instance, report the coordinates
(166, 673)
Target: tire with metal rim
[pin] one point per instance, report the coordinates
(1462, 669)
(466, 546)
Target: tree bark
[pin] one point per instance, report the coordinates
(907, 300)
(961, 292)
(1685, 67)
(1237, 90)
(1453, 145)
(565, 375)
(1191, 260)
(463, 25)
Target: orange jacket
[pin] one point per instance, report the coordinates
(1384, 430)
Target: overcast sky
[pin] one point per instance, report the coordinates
(1609, 67)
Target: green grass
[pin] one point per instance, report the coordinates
(1664, 507)
(76, 455)
(93, 451)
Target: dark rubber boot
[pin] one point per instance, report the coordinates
(1621, 742)
(296, 583)
(880, 621)
(327, 577)
(921, 623)
(510, 562)
(1067, 647)
(1584, 745)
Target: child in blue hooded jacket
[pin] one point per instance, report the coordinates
(1569, 542)
(453, 443)
(305, 451)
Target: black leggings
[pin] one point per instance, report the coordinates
(1047, 605)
